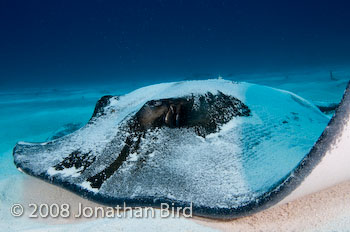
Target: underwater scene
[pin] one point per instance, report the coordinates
(224, 108)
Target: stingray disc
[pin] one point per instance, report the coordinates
(228, 148)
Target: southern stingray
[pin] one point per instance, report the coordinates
(230, 149)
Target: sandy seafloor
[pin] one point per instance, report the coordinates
(34, 115)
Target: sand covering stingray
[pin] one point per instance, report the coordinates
(229, 148)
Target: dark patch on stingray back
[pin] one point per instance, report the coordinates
(100, 105)
(98, 179)
(77, 160)
(205, 114)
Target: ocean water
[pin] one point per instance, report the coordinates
(58, 58)
(86, 43)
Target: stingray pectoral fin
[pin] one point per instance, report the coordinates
(328, 162)
(35, 159)
(25, 159)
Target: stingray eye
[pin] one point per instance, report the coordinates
(155, 103)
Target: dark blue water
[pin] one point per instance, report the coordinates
(63, 43)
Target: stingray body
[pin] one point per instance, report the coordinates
(228, 148)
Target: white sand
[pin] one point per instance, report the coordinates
(328, 210)
(26, 190)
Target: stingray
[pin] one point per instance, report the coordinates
(228, 149)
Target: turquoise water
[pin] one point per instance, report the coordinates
(35, 115)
